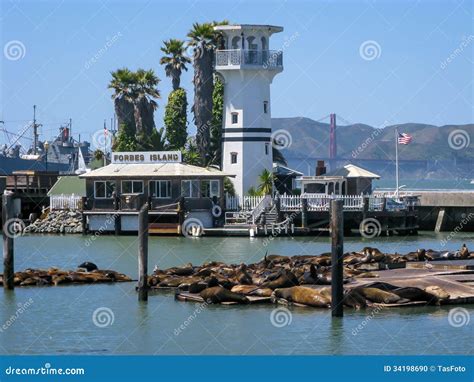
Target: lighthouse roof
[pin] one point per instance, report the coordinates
(254, 27)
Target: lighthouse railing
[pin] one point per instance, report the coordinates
(238, 57)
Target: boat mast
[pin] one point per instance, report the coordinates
(35, 132)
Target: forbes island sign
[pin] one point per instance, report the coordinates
(142, 157)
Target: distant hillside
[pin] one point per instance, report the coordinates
(310, 139)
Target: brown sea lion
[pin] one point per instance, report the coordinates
(381, 285)
(354, 299)
(252, 290)
(437, 291)
(378, 295)
(285, 279)
(415, 294)
(464, 252)
(218, 294)
(302, 295)
(243, 276)
(311, 276)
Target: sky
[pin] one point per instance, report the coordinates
(373, 62)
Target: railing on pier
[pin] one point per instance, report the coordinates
(266, 59)
(246, 203)
(260, 208)
(65, 202)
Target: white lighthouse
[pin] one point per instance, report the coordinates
(247, 67)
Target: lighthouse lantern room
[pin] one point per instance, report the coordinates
(247, 67)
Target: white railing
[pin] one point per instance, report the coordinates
(264, 58)
(64, 202)
(257, 211)
(246, 203)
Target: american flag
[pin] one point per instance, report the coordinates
(404, 138)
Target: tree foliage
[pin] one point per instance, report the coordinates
(176, 119)
(217, 117)
(175, 60)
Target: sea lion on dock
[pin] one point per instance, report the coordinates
(218, 294)
(415, 294)
(243, 276)
(464, 252)
(302, 295)
(437, 291)
(354, 299)
(187, 270)
(311, 276)
(88, 266)
(378, 295)
(285, 279)
(252, 290)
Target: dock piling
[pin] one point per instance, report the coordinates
(143, 253)
(8, 242)
(337, 251)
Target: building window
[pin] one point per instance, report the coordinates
(235, 118)
(233, 158)
(160, 189)
(190, 188)
(103, 189)
(209, 188)
(267, 148)
(265, 107)
(132, 186)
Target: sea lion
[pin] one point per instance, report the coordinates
(437, 291)
(421, 254)
(285, 279)
(378, 295)
(415, 294)
(243, 276)
(252, 290)
(302, 295)
(464, 252)
(311, 276)
(354, 299)
(381, 285)
(218, 294)
(181, 271)
(88, 266)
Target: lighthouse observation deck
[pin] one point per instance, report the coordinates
(243, 58)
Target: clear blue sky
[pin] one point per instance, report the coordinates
(409, 80)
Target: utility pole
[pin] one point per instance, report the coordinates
(35, 132)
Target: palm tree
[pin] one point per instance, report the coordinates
(266, 182)
(174, 60)
(202, 39)
(134, 98)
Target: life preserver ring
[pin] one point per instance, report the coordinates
(216, 211)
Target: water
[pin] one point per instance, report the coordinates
(59, 320)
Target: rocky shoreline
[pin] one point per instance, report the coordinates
(61, 221)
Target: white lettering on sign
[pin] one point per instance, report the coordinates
(146, 157)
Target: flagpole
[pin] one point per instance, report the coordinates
(396, 160)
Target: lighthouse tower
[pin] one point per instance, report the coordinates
(247, 67)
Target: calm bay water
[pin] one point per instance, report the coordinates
(59, 320)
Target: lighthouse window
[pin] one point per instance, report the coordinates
(267, 148)
(233, 158)
(235, 118)
(265, 107)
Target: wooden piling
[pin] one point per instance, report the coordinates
(304, 213)
(143, 253)
(278, 209)
(8, 241)
(337, 251)
(84, 217)
(117, 218)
